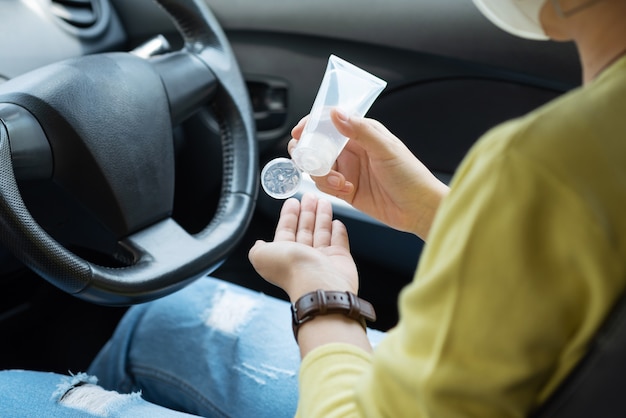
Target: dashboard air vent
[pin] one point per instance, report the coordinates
(82, 17)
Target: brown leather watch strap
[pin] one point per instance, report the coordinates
(323, 302)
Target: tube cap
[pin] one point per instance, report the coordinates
(280, 178)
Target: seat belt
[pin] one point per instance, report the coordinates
(597, 385)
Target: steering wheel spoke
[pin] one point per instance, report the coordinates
(30, 150)
(188, 82)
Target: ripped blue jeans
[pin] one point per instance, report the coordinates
(212, 349)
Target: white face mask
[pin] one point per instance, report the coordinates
(518, 17)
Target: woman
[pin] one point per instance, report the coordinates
(524, 258)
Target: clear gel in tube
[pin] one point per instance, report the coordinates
(344, 86)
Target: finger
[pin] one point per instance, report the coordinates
(291, 145)
(287, 226)
(338, 187)
(306, 219)
(296, 132)
(323, 224)
(334, 180)
(340, 235)
(262, 256)
(369, 133)
(346, 193)
(254, 250)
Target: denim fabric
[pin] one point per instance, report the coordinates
(212, 349)
(27, 394)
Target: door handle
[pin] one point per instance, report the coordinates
(269, 103)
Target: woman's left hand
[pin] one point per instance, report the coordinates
(310, 251)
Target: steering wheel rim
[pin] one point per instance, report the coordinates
(166, 257)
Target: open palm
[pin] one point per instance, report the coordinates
(310, 251)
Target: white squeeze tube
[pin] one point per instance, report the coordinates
(344, 86)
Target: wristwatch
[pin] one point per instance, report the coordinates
(323, 302)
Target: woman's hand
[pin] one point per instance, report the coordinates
(377, 174)
(310, 251)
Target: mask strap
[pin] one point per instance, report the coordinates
(567, 13)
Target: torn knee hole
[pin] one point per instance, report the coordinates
(82, 393)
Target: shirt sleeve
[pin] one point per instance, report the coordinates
(510, 288)
(329, 376)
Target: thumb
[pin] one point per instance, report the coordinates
(370, 134)
(253, 252)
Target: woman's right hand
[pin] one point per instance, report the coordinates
(377, 174)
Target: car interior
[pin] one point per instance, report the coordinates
(137, 131)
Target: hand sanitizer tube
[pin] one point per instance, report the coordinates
(344, 86)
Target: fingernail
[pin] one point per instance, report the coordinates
(341, 115)
(333, 181)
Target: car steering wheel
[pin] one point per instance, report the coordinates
(101, 127)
